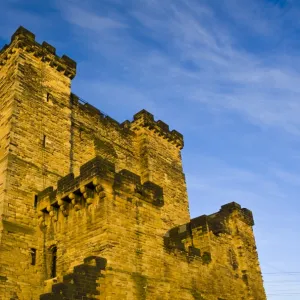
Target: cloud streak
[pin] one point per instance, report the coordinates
(193, 50)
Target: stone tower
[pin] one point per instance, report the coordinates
(94, 209)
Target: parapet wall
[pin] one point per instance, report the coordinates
(24, 39)
(95, 113)
(222, 248)
(146, 119)
(91, 175)
(182, 237)
(140, 119)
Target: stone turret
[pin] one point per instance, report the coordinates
(24, 39)
(146, 120)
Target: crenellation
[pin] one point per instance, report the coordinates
(24, 39)
(86, 107)
(163, 125)
(180, 239)
(226, 210)
(49, 48)
(22, 32)
(216, 223)
(230, 207)
(134, 178)
(248, 216)
(125, 124)
(65, 182)
(143, 116)
(98, 115)
(112, 121)
(155, 190)
(46, 192)
(91, 174)
(69, 61)
(3, 49)
(146, 119)
(96, 165)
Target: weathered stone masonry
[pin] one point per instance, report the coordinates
(94, 209)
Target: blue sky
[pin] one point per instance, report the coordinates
(224, 73)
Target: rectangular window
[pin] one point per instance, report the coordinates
(53, 261)
(44, 141)
(33, 256)
(48, 97)
(35, 201)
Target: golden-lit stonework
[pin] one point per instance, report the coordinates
(94, 209)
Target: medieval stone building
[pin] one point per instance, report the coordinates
(94, 209)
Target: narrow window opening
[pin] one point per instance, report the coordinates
(33, 256)
(44, 141)
(48, 97)
(53, 261)
(35, 201)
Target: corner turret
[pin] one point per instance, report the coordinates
(146, 120)
(24, 39)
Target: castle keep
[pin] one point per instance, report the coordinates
(94, 209)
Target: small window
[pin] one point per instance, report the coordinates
(35, 201)
(44, 141)
(33, 256)
(53, 261)
(48, 97)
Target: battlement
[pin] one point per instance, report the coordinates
(93, 175)
(24, 39)
(216, 223)
(140, 119)
(146, 119)
(95, 113)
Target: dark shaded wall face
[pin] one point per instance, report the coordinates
(82, 283)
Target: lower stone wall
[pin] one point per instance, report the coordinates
(116, 223)
(20, 280)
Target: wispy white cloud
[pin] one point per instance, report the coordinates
(115, 94)
(89, 20)
(11, 16)
(287, 177)
(198, 54)
(216, 183)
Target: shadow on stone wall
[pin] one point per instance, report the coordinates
(81, 284)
